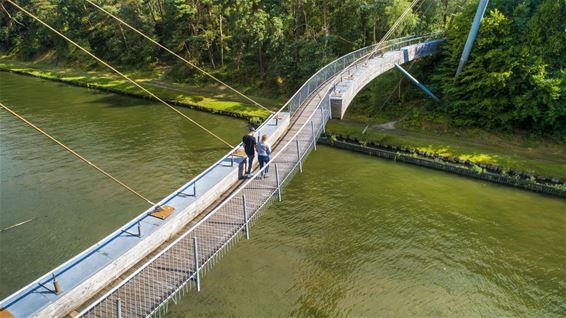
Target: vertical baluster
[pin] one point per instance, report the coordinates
(246, 228)
(299, 155)
(197, 271)
(313, 135)
(119, 308)
(322, 117)
(278, 184)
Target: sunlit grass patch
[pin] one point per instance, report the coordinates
(542, 157)
(212, 98)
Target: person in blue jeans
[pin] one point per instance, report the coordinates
(263, 152)
(249, 148)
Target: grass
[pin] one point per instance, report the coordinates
(426, 133)
(211, 98)
(538, 156)
(418, 128)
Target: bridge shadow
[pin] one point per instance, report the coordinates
(119, 101)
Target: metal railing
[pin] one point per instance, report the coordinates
(178, 267)
(338, 66)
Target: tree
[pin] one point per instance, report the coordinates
(507, 83)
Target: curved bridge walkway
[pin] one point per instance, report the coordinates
(177, 265)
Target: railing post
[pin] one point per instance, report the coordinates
(139, 229)
(299, 156)
(119, 308)
(56, 284)
(197, 271)
(313, 136)
(246, 226)
(322, 118)
(278, 184)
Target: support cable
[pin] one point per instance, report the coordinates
(394, 27)
(398, 86)
(76, 154)
(410, 67)
(177, 55)
(119, 73)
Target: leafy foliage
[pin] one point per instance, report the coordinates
(514, 78)
(274, 44)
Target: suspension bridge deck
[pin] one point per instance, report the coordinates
(135, 273)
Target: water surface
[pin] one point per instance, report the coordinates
(144, 144)
(355, 235)
(363, 237)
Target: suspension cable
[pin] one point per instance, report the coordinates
(178, 56)
(394, 26)
(119, 73)
(76, 154)
(390, 95)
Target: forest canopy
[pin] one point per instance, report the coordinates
(514, 79)
(280, 43)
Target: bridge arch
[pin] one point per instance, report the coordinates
(360, 74)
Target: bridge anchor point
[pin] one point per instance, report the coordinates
(162, 211)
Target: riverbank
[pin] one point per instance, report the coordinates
(468, 168)
(535, 156)
(509, 153)
(210, 98)
(393, 111)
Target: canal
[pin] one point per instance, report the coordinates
(358, 236)
(354, 235)
(73, 206)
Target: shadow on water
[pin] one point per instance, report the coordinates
(107, 100)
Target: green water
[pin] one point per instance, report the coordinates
(354, 236)
(359, 236)
(146, 145)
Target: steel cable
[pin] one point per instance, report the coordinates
(119, 73)
(178, 56)
(13, 113)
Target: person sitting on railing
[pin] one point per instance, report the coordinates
(249, 147)
(263, 152)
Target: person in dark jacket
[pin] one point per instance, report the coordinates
(249, 147)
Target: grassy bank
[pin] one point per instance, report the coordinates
(537, 156)
(403, 117)
(211, 98)
(414, 128)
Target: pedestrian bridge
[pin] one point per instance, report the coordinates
(149, 262)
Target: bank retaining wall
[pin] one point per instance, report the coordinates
(514, 181)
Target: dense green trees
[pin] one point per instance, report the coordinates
(515, 77)
(274, 43)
